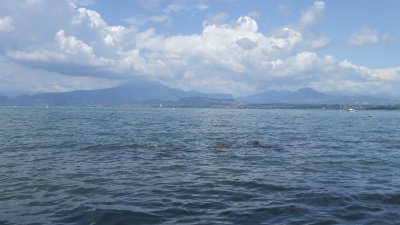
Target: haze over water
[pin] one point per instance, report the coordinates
(198, 166)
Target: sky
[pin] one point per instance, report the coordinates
(237, 47)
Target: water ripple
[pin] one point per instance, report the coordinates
(198, 166)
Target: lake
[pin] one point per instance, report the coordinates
(198, 166)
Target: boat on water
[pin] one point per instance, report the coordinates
(351, 110)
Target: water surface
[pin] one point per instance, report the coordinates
(198, 166)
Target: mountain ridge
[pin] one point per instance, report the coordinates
(149, 93)
(127, 93)
(309, 96)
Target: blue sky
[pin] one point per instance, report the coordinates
(226, 46)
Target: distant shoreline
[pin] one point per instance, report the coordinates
(222, 106)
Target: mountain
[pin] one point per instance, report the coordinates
(301, 96)
(4, 100)
(204, 102)
(128, 93)
(152, 94)
(309, 96)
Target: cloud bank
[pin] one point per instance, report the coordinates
(227, 56)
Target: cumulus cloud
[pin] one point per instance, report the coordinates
(284, 9)
(17, 79)
(368, 36)
(149, 4)
(254, 15)
(388, 74)
(219, 18)
(246, 43)
(306, 25)
(6, 24)
(185, 5)
(28, 21)
(312, 15)
(388, 38)
(142, 20)
(77, 3)
(84, 45)
(70, 45)
(364, 36)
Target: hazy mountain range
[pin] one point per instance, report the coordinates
(310, 96)
(153, 93)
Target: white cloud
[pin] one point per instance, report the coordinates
(286, 39)
(92, 18)
(364, 36)
(70, 45)
(28, 19)
(300, 63)
(238, 53)
(77, 3)
(284, 9)
(90, 27)
(254, 15)
(16, 79)
(246, 43)
(368, 36)
(6, 24)
(313, 14)
(387, 74)
(185, 5)
(306, 25)
(218, 19)
(43, 56)
(85, 46)
(150, 4)
(388, 38)
(142, 20)
(318, 42)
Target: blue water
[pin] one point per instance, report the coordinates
(198, 166)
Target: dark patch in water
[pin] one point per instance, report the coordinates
(352, 216)
(258, 144)
(112, 147)
(262, 215)
(362, 208)
(390, 198)
(179, 148)
(323, 222)
(258, 186)
(87, 191)
(4, 222)
(323, 199)
(86, 215)
(221, 145)
(247, 144)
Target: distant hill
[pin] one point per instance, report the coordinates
(152, 94)
(204, 102)
(309, 96)
(128, 93)
(4, 100)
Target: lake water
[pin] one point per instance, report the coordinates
(198, 166)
